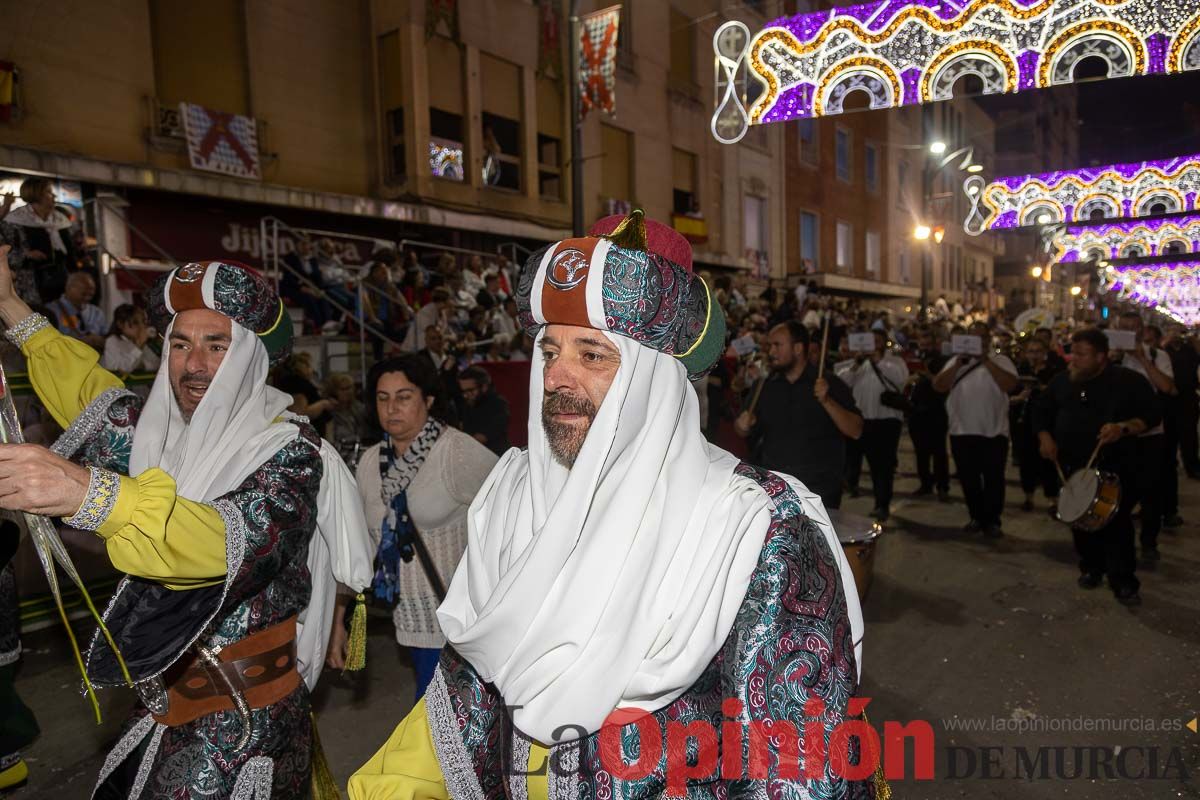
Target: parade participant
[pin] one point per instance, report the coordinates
(1184, 350)
(875, 378)
(207, 495)
(415, 487)
(977, 402)
(1152, 337)
(927, 420)
(1095, 402)
(623, 564)
(1153, 364)
(18, 726)
(801, 423)
(1035, 372)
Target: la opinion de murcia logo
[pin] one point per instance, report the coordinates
(568, 269)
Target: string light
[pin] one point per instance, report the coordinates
(916, 52)
(1141, 189)
(1117, 239)
(1173, 288)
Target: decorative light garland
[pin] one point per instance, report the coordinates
(901, 53)
(1173, 288)
(1130, 239)
(1118, 191)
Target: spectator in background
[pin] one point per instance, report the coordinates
(472, 275)
(127, 348)
(433, 314)
(23, 280)
(301, 284)
(384, 308)
(504, 318)
(414, 289)
(1184, 352)
(334, 277)
(46, 233)
(76, 315)
(977, 390)
(347, 418)
(484, 413)
(491, 296)
(295, 377)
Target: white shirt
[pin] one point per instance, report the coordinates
(123, 356)
(1162, 362)
(976, 404)
(414, 340)
(867, 386)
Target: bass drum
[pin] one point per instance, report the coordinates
(858, 535)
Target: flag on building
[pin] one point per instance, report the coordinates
(549, 40)
(598, 61)
(8, 90)
(221, 142)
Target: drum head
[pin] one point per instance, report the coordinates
(1077, 495)
(852, 528)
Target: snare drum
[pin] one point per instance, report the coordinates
(857, 535)
(1089, 499)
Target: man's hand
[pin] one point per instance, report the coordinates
(1110, 433)
(744, 423)
(1047, 447)
(335, 658)
(36, 255)
(821, 390)
(35, 480)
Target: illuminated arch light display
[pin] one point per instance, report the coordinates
(1116, 239)
(1121, 191)
(901, 52)
(1173, 288)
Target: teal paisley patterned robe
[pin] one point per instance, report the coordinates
(791, 643)
(269, 521)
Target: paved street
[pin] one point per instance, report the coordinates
(960, 631)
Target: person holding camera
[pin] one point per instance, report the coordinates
(977, 388)
(876, 380)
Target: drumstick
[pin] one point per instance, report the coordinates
(1094, 454)
(824, 347)
(1062, 478)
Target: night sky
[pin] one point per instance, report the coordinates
(1139, 119)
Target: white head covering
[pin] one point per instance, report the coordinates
(612, 584)
(232, 433)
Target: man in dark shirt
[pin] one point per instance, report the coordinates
(1184, 351)
(927, 420)
(484, 413)
(801, 422)
(1096, 402)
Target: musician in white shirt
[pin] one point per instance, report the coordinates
(869, 376)
(1153, 364)
(978, 388)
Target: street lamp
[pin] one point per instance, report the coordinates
(939, 233)
(1075, 290)
(975, 168)
(922, 232)
(1036, 272)
(937, 148)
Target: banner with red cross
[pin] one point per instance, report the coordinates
(221, 142)
(598, 61)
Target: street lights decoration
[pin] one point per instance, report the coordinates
(1140, 189)
(1173, 287)
(1113, 239)
(904, 53)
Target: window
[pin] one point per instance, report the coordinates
(683, 167)
(871, 167)
(681, 75)
(807, 130)
(845, 247)
(501, 122)
(754, 232)
(616, 181)
(445, 109)
(844, 165)
(905, 270)
(391, 89)
(810, 244)
(873, 254)
(549, 138)
(625, 36)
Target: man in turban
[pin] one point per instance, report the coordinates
(207, 495)
(623, 577)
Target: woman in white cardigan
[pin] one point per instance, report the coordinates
(416, 486)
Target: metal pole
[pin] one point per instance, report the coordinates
(576, 129)
(926, 205)
(362, 336)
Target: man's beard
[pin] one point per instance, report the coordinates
(190, 378)
(566, 440)
(1083, 376)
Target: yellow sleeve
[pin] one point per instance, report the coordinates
(65, 373)
(405, 768)
(153, 533)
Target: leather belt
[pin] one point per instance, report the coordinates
(254, 672)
